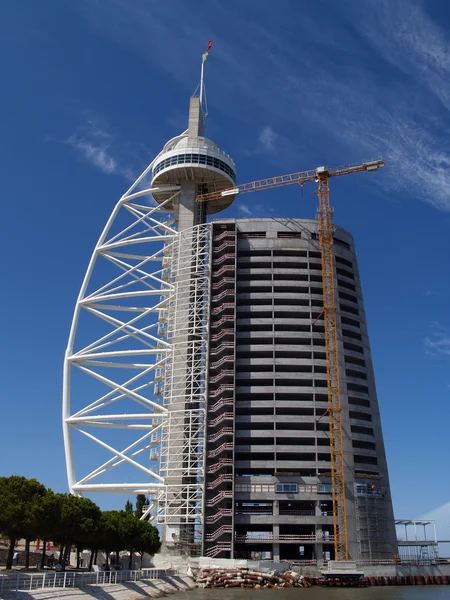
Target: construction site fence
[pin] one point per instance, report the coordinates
(17, 581)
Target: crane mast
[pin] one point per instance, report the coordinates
(334, 398)
(321, 176)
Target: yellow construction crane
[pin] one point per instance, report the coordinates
(321, 176)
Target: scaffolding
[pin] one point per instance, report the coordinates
(182, 465)
(417, 541)
(371, 521)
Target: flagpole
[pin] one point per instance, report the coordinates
(201, 82)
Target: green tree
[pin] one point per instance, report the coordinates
(147, 542)
(19, 502)
(141, 501)
(110, 536)
(79, 520)
(47, 519)
(129, 507)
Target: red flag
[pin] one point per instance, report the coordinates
(205, 54)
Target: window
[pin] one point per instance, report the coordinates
(344, 261)
(345, 273)
(324, 488)
(353, 348)
(349, 309)
(361, 430)
(286, 488)
(360, 415)
(195, 159)
(351, 322)
(345, 296)
(355, 374)
(352, 334)
(289, 234)
(355, 361)
(366, 460)
(251, 234)
(344, 284)
(358, 402)
(339, 242)
(293, 253)
(363, 445)
(355, 387)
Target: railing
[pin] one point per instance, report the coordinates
(220, 496)
(220, 404)
(221, 479)
(221, 361)
(221, 334)
(70, 579)
(220, 449)
(269, 537)
(217, 549)
(227, 416)
(218, 309)
(221, 347)
(212, 537)
(223, 294)
(306, 513)
(226, 244)
(223, 319)
(228, 256)
(223, 269)
(225, 280)
(220, 464)
(219, 376)
(222, 388)
(220, 514)
(213, 437)
(220, 236)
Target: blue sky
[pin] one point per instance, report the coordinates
(91, 91)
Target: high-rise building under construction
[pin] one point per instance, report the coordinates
(244, 466)
(267, 483)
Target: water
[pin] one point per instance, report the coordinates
(429, 592)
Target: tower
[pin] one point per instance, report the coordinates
(139, 338)
(202, 343)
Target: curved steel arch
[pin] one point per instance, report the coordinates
(133, 304)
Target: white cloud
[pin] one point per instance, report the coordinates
(267, 138)
(96, 154)
(244, 209)
(332, 115)
(94, 144)
(439, 341)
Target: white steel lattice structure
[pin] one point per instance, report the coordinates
(122, 376)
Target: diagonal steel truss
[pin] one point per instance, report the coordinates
(137, 400)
